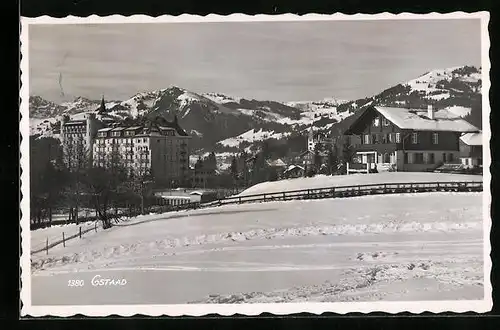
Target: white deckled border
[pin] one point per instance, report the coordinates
(249, 309)
(188, 18)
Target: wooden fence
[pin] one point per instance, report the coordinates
(305, 194)
(64, 238)
(351, 191)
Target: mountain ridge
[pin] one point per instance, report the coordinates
(227, 123)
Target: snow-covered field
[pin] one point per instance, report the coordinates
(325, 181)
(425, 246)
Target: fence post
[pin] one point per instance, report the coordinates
(47, 245)
(80, 231)
(95, 226)
(64, 241)
(385, 188)
(239, 200)
(264, 197)
(284, 196)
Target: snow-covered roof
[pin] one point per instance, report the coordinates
(417, 119)
(133, 128)
(472, 139)
(197, 193)
(175, 197)
(118, 129)
(76, 122)
(106, 129)
(278, 162)
(292, 167)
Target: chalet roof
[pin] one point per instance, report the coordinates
(417, 119)
(106, 129)
(119, 128)
(472, 139)
(293, 167)
(278, 163)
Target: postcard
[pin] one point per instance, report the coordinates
(243, 164)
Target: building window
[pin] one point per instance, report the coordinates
(414, 138)
(366, 139)
(419, 158)
(450, 157)
(405, 158)
(376, 122)
(435, 138)
(444, 157)
(385, 122)
(430, 158)
(387, 158)
(376, 138)
(398, 137)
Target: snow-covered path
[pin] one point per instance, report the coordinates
(399, 247)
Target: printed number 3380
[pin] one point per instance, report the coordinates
(75, 282)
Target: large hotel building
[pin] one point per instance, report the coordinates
(161, 150)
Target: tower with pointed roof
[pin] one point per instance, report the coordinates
(102, 107)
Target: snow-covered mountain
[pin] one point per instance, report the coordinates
(452, 87)
(227, 124)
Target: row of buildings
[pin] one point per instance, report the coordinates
(382, 139)
(161, 150)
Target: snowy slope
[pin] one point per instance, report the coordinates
(356, 249)
(252, 136)
(221, 98)
(42, 126)
(434, 82)
(324, 181)
(459, 111)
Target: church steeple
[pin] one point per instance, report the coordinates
(102, 108)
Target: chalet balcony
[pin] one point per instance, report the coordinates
(379, 147)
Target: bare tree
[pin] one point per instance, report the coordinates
(76, 156)
(104, 183)
(140, 183)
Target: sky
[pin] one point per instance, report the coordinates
(281, 61)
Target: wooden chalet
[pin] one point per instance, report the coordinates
(399, 139)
